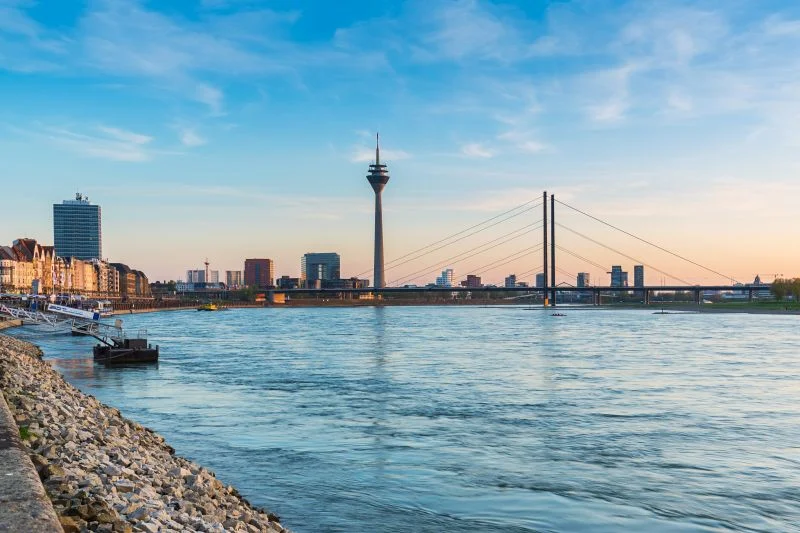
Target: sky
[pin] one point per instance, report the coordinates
(226, 129)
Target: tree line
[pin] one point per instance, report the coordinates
(783, 287)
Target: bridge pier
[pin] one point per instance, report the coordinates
(697, 297)
(750, 295)
(646, 297)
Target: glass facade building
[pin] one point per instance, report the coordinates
(320, 266)
(77, 229)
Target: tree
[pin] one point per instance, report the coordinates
(794, 288)
(780, 287)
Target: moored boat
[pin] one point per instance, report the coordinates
(126, 351)
(208, 307)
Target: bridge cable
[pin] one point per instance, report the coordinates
(522, 253)
(647, 242)
(535, 225)
(623, 254)
(476, 251)
(578, 256)
(537, 202)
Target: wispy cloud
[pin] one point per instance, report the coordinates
(125, 136)
(116, 144)
(524, 141)
(210, 96)
(101, 142)
(190, 138)
(25, 45)
(476, 150)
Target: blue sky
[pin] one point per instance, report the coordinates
(242, 128)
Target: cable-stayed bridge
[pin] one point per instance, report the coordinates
(531, 238)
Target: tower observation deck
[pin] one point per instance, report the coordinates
(378, 177)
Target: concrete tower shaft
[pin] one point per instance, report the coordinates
(378, 177)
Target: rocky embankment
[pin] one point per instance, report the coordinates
(106, 473)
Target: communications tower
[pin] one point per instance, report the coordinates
(378, 177)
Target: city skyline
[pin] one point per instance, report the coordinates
(661, 118)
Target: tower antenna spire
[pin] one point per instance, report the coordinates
(377, 148)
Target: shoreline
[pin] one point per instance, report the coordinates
(105, 472)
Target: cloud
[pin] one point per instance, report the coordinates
(125, 136)
(190, 138)
(523, 141)
(25, 45)
(210, 96)
(115, 145)
(476, 150)
(613, 85)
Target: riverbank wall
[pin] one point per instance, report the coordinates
(101, 471)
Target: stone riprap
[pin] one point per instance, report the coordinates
(104, 472)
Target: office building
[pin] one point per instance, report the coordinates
(77, 229)
(540, 280)
(195, 276)
(321, 266)
(472, 282)
(619, 278)
(584, 280)
(233, 279)
(378, 177)
(510, 281)
(259, 273)
(638, 275)
(446, 279)
(286, 282)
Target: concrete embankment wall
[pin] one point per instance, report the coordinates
(24, 505)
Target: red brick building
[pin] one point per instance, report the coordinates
(259, 273)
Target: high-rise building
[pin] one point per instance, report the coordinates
(446, 279)
(195, 276)
(510, 281)
(77, 229)
(638, 275)
(472, 282)
(619, 278)
(199, 276)
(584, 280)
(322, 266)
(233, 279)
(259, 273)
(540, 280)
(378, 177)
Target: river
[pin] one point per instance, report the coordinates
(450, 419)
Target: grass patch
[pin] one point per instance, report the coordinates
(25, 433)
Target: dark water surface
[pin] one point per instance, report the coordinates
(450, 419)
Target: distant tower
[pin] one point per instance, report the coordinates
(378, 177)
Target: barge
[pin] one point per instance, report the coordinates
(126, 351)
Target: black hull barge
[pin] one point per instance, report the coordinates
(126, 351)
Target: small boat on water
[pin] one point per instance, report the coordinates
(126, 351)
(208, 307)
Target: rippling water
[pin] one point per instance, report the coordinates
(447, 419)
